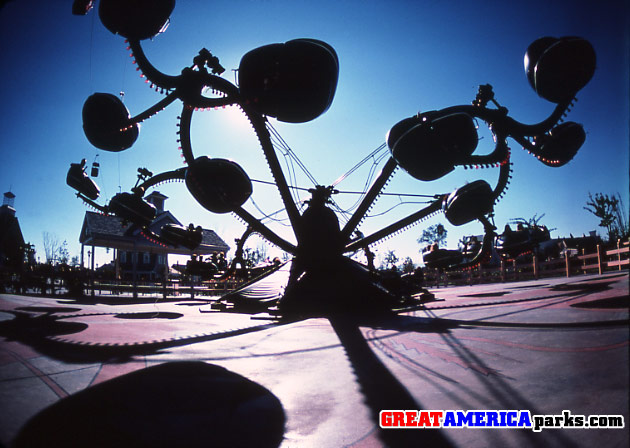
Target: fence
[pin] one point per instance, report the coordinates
(82, 282)
(171, 288)
(600, 261)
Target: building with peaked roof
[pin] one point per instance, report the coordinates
(11, 238)
(137, 256)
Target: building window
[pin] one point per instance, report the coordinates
(146, 258)
(123, 257)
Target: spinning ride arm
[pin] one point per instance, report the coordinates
(158, 107)
(188, 85)
(295, 82)
(261, 130)
(368, 200)
(152, 74)
(265, 231)
(252, 222)
(434, 207)
(258, 122)
(178, 174)
(94, 205)
(501, 126)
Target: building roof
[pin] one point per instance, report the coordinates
(109, 231)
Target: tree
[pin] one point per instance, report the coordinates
(51, 246)
(408, 265)
(390, 260)
(434, 234)
(55, 252)
(253, 257)
(623, 229)
(610, 211)
(534, 221)
(64, 254)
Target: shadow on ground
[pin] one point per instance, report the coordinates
(187, 404)
(382, 390)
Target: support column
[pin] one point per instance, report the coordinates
(134, 263)
(117, 264)
(515, 269)
(165, 279)
(92, 274)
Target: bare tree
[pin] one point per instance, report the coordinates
(51, 246)
(55, 251)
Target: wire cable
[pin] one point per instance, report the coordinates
(271, 183)
(358, 165)
(412, 195)
(270, 215)
(368, 181)
(397, 205)
(291, 154)
(280, 146)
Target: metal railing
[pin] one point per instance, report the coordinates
(600, 261)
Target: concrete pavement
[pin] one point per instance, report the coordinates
(156, 373)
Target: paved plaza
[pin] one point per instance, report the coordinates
(118, 371)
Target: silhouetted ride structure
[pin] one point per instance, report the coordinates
(525, 239)
(295, 82)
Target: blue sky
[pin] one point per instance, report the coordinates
(396, 58)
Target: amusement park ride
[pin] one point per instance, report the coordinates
(295, 82)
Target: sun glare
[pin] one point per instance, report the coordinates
(235, 117)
